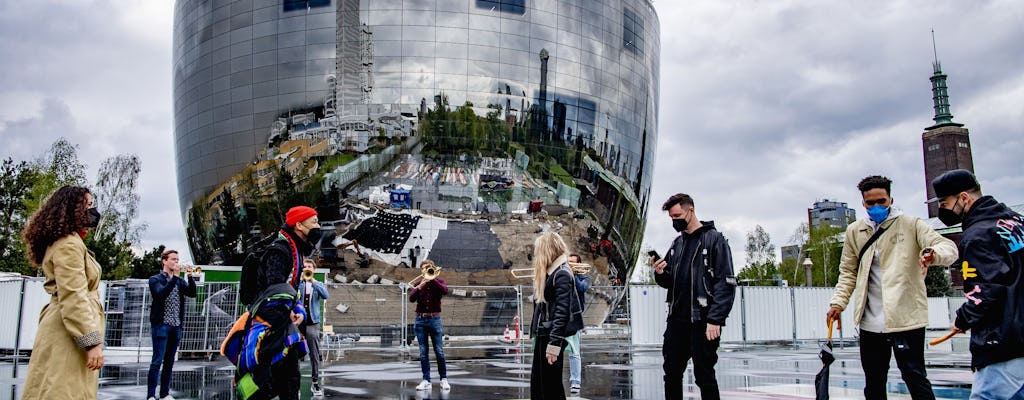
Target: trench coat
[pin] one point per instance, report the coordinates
(70, 323)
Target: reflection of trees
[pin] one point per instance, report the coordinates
(461, 131)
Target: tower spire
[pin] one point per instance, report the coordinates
(940, 94)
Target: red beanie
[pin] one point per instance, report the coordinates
(298, 214)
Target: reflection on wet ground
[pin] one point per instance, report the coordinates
(613, 369)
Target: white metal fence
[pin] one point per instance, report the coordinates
(766, 314)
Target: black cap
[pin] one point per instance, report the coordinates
(953, 182)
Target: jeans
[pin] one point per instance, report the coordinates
(575, 366)
(312, 334)
(685, 340)
(430, 327)
(875, 351)
(1003, 380)
(546, 379)
(165, 345)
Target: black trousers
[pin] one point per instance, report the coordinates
(876, 349)
(546, 379)
(685, 340)
(285, 378)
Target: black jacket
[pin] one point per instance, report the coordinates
(160, 287)
(712, 286)
(992, 249)
(561, 315)
(281, 263)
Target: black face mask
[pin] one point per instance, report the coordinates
(94, 218)
(950, 217)
(313, 236)
(680, 224)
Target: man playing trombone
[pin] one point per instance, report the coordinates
(312, 294)
(427, 294)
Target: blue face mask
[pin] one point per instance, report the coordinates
(878, 213)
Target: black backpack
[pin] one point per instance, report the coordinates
(249, 283)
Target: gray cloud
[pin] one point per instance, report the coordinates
(774, 105)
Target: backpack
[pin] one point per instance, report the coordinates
(249, 285)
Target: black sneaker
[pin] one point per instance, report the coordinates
(317, 390)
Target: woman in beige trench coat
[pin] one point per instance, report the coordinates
(68, 350)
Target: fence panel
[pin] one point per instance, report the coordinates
(769, 313)
(811, 308)
(10, 306)
(367, 310)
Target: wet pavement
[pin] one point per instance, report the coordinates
(485, 369)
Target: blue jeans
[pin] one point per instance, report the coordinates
(575, 366)
(430, 327)
(1003, 380)
(165, 344)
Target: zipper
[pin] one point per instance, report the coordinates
(692, 292)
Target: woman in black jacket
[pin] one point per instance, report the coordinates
(556, 315)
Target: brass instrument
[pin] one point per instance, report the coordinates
(307, 274)
(580, 268)
(432, 272)
(197, 271)
(522, 273)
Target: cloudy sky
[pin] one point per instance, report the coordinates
(766, 106)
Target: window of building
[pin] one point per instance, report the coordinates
(933, 147)
(632, 32)
(963, 145)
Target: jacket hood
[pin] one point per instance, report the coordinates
(986, 208)
(704, 226)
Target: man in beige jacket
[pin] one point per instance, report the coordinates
(885, 278)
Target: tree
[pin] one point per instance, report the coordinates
(16, 180)
(117, 198)
(113, 255)
(824, 247)
(147, 265)
(937, 282)
(760, 268)
(62, 161)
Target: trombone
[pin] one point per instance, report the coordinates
(432, 272)
(528, 273)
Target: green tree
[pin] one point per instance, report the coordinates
(147, 265)
(113, 255)
(824, 247)
(16, 180)
(760, 268)
(937, 282)
(117, 198)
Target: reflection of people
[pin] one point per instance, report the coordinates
(582, 283)
(166, 317)
(312, 294)
(557, 314)
(427, 296)
(886, 275)
(68, 350)
(278, 282)
(697, 271)
(992, 248)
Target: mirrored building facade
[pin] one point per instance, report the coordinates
(455, 130)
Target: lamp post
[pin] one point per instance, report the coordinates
(807, 270)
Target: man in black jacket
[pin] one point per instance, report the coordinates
(697, 271)
(992, 248)
(166, 316)
(280, 270)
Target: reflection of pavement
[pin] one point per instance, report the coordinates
(492, 370)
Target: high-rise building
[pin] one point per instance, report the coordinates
(946, 144)
(457, 129)
(833, 213)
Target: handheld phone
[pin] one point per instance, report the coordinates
(654, 254)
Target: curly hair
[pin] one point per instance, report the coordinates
(62, 214)
(875, 182)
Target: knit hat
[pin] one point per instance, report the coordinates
(298, 214)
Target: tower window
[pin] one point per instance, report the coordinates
(933, 147)
(963, 144)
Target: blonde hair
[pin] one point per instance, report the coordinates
(546, 249)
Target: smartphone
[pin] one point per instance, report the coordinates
(654, 254)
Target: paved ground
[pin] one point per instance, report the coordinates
(492, 370)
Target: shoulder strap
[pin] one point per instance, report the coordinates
(871, 240)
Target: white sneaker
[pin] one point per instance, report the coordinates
(167, 397)
(574, 388)
(151, 398)
(317, 390)
(425, 385)
(445, 385)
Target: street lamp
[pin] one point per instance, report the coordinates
(807, 269)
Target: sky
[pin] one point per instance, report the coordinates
(765, 108)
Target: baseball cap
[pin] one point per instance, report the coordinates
(951, 183)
